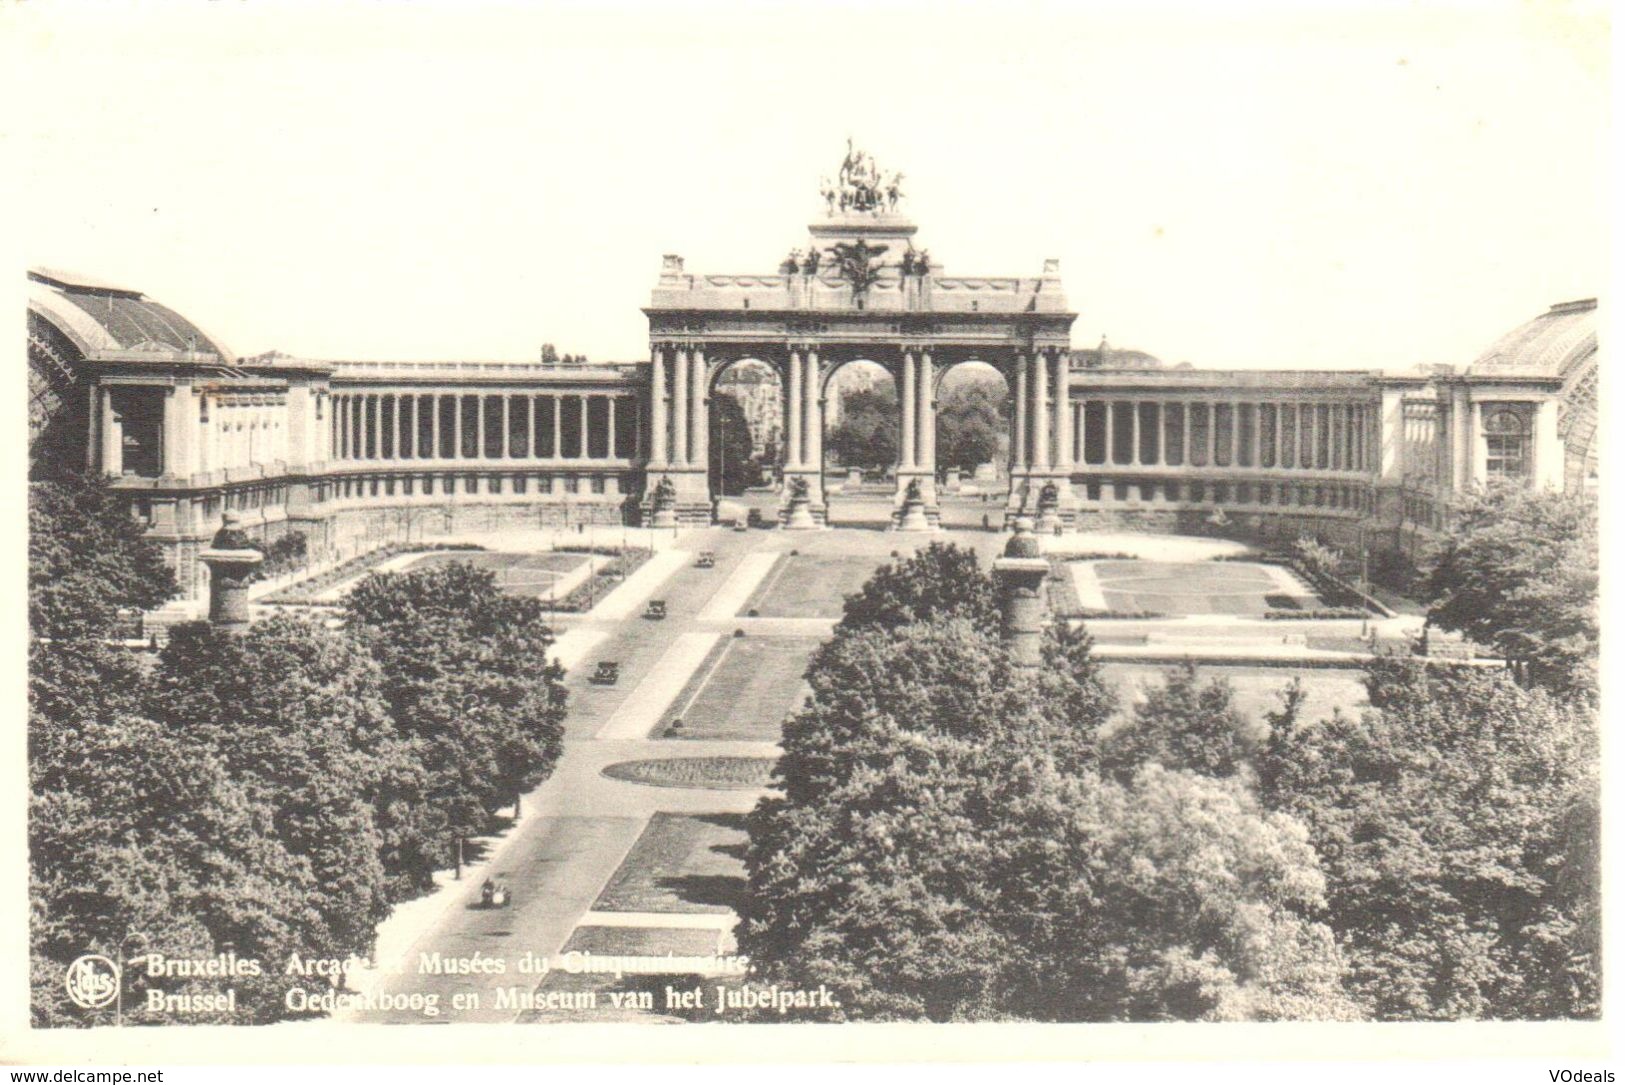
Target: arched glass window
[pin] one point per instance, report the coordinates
(1506, 440)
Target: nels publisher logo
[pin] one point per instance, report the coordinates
(92, 981)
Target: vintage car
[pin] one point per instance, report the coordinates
(607, 674)
(656, 610)
(706, 560)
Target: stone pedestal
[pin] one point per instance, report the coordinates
(1027, 500)
(854, 478)
(799, 516)
(232, 563)
(915, 503)
(1018, 580)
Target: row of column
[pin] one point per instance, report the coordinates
(1122, 431)
(804, 412)
(1044, 425)
(919, 413)
(679, 428)
(386, 426)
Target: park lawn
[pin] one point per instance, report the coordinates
(519, 574)
(747, 692)
(1258, 689)
(810, 586)
(1193, 587)
(681, 863)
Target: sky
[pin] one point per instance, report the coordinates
(1242, 185)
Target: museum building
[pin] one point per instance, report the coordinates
(351, 453)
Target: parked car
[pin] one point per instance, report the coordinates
(656, 610)
(607, 674)
(706, 560)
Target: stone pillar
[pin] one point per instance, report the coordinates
(679, 409)
(1212, 433)
(507, 428)
(699, 437)
(657, 407)
(910, 405)
(925, 416)
(609, 443)
(1040, 421)
(232, 562)
(434, 425)
(1548, 469)
(1110, 414)
(586, 443)
(1134, 456)
(456, 427)
(558, 426)
(112, 434)
(1185, 434)
(531, 452)
(812, 419)
(1018, 442)
(1063, 412)
(792, 414)
(1018, 578)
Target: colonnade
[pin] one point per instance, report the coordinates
(483, 426)
(1128, 431)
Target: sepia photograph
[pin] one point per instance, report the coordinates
(1044, 517)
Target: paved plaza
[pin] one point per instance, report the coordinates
(635, 844)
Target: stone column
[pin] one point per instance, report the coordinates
(1063, 412)
(907, 456)
(1018, 578)
(657, 407)
(1548, 471)
(925, 416)
(1185, 434)
(558, 426)
(434, 425)
(586, 443)
(1018, 442)
(679, 409)
(112, 433)
(1212, 433)
(699, 437)
(1134, 433)
(1258, 434)
(1040, 421)
(1235, 434)
(530, 431)
(812, 445)
(507, 428)
(456, 426)
(792, 414)
(609, 443)
(232, 562)
(1111, 432)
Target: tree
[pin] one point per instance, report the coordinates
(1454, 820)
(933, 857)
(731, 446)
(139, 842)
(1519, 572)
(462, 682)
(970, 421)
(88, 558)
(1182, 724)
(295, 714)
(867, 434)
(941, 581)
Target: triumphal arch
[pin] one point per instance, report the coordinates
(861, 289)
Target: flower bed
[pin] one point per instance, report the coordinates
(308, 591)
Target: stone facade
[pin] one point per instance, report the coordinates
(354, 453)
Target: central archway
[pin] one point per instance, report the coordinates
(972, 443)
(862, 420)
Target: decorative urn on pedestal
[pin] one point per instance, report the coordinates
(1018, 582)
(233, 563)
